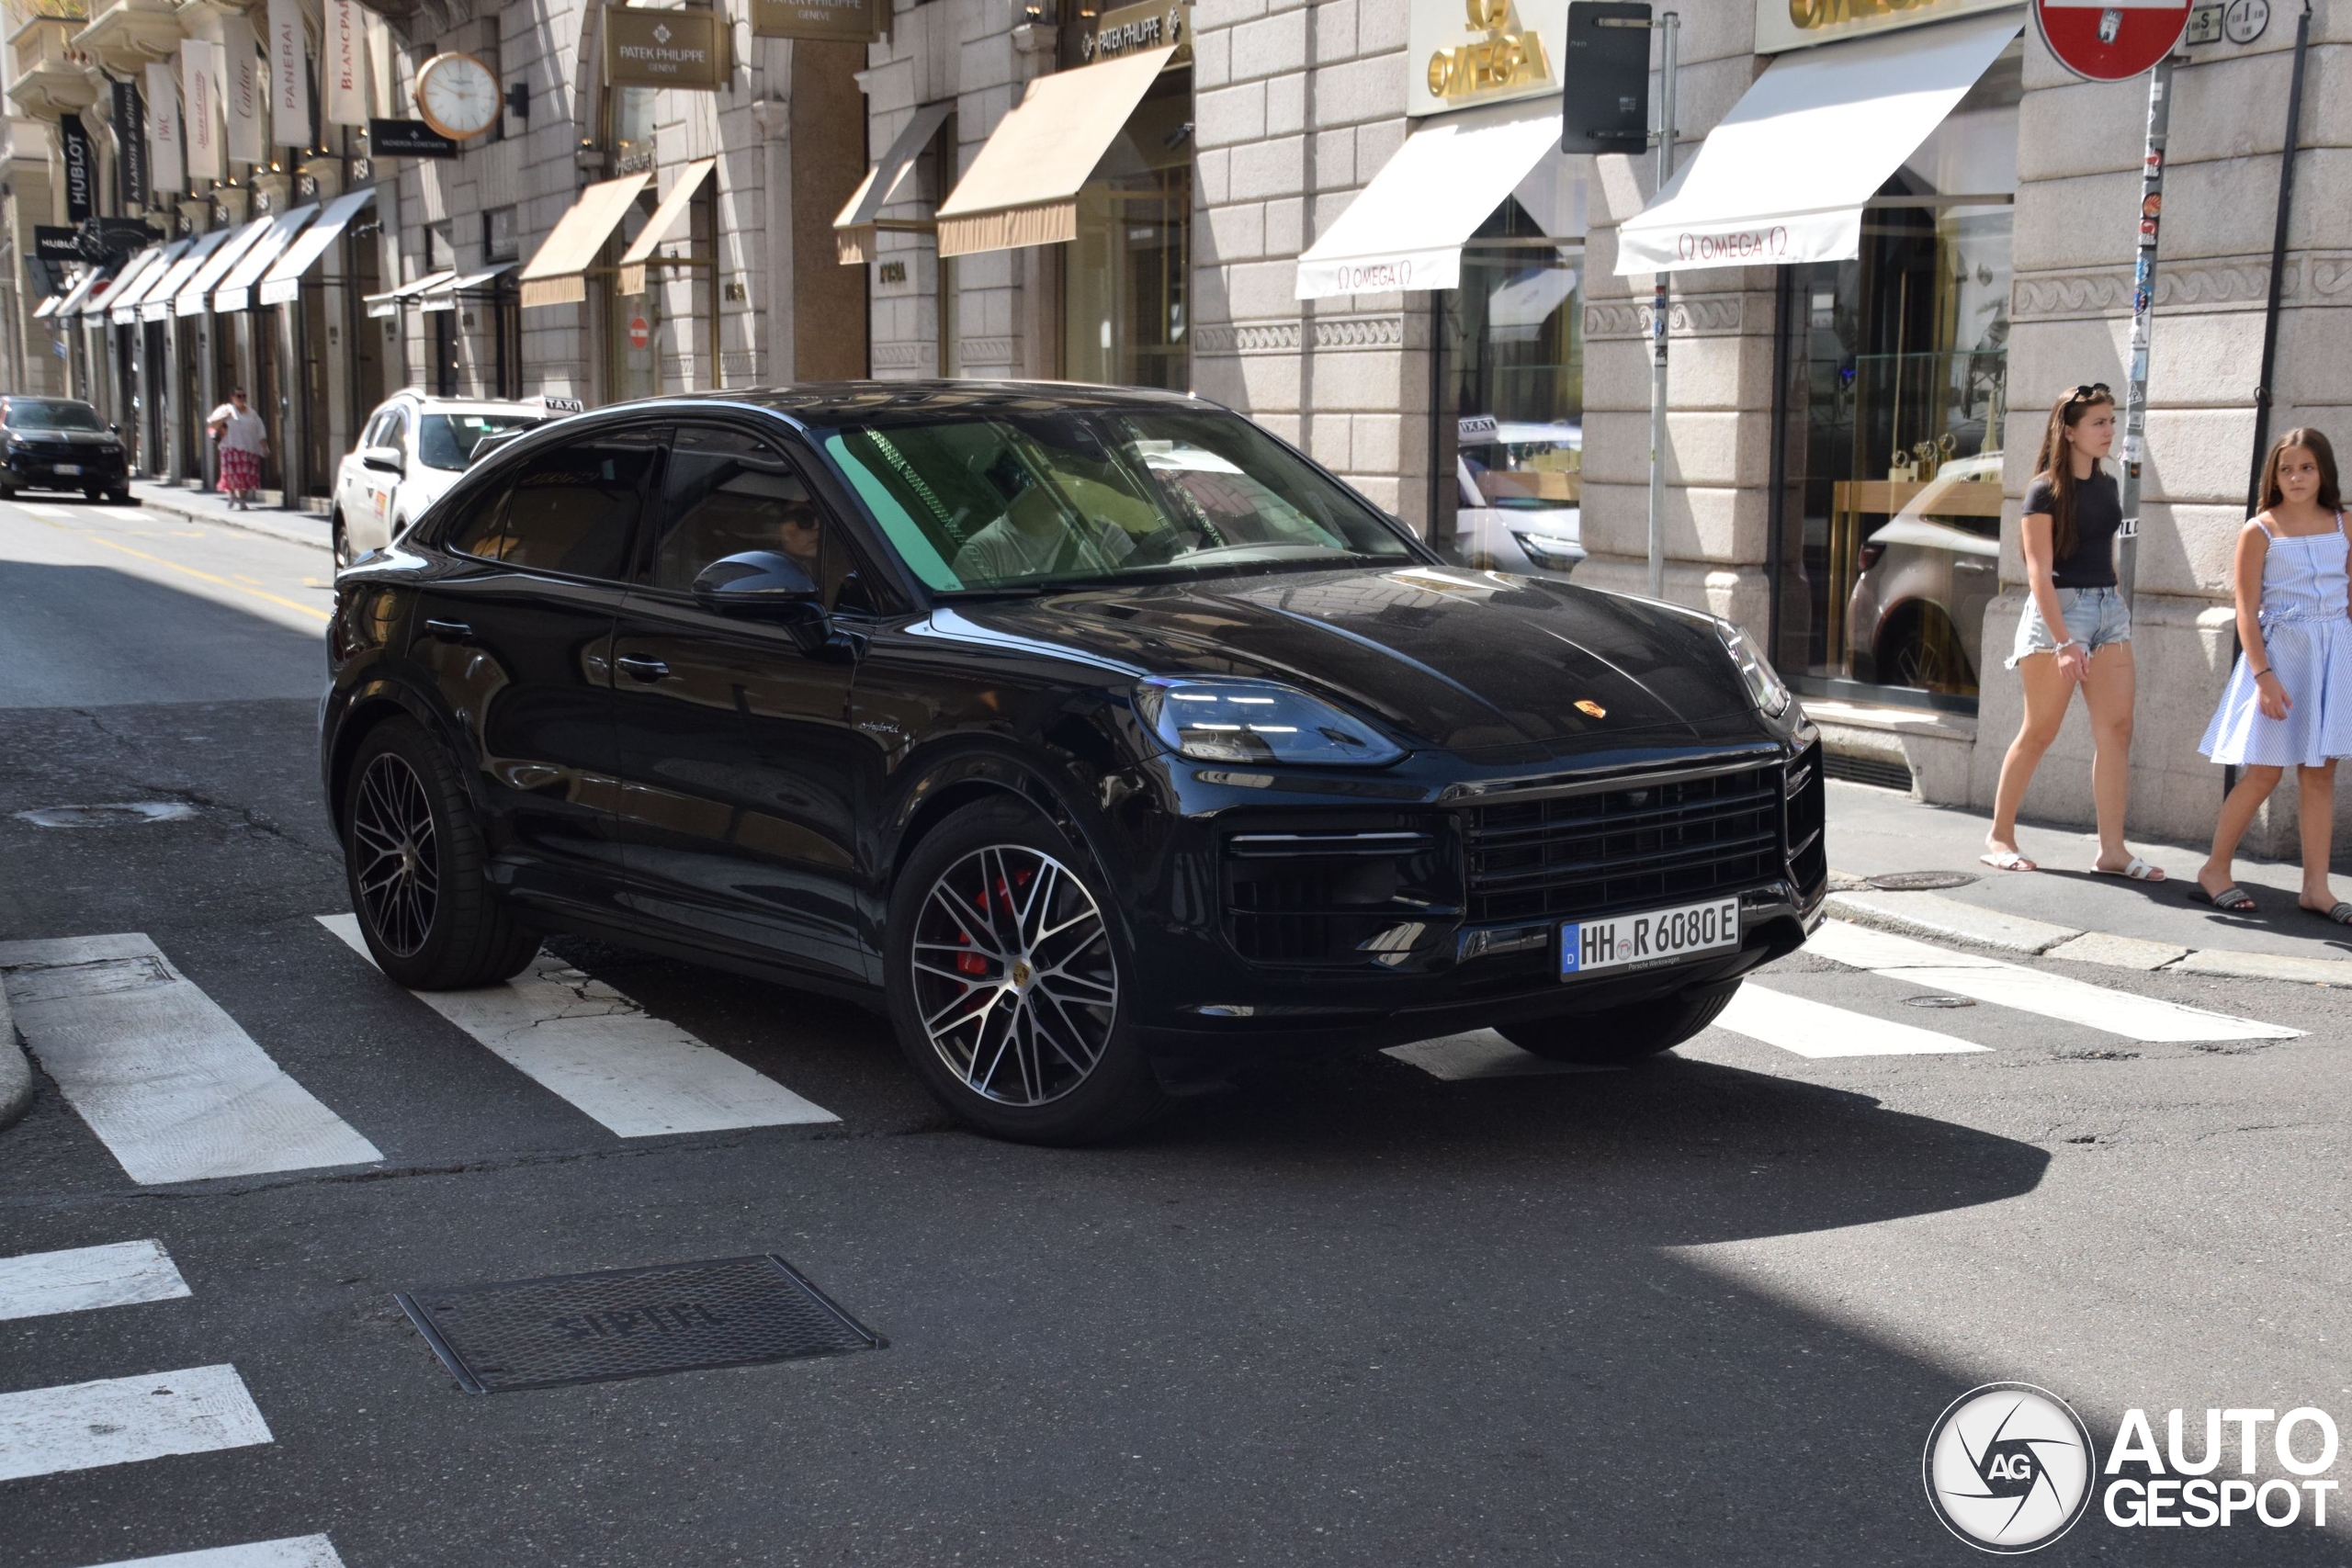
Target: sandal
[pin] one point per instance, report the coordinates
(2341, 915)
(2006, 859)
(2135, 868)
(2233, 899)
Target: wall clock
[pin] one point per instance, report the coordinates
(457, 95)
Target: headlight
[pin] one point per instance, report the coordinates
(1236, 720)
(1764, 683)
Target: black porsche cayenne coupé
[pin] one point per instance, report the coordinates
(1102, 740)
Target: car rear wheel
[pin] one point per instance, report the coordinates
(414, 858)
(1617, 1036)
(1007, 982)
(342, 543)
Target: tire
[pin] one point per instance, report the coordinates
(97, 494)
(432, 923)
(1044, 1053)
(122, 497)
(342, 543)
(1617, 1036)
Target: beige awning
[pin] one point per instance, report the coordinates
(1023, 188)
(557, 272)
(854, 231)
(666, 218)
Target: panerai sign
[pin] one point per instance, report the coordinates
(1463, 53)
(1793, 24)
(664, 48)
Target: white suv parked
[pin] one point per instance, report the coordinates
(413, 448)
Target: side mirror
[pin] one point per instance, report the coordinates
(115, 428)
(770, 586)
(384, 459)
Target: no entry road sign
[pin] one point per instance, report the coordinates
(2110, 41)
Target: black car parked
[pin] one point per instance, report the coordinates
(60, 443)
(1102, 740)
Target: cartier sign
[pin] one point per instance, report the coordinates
(664, 48)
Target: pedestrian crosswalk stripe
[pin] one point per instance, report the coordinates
(2059, 996)
(123, 1420)
(612, 1060)
(294, 1551)
(86, 1278)
(170, 1083)
(1815, 1029)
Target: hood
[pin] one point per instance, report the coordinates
(1482, 664)
(71, 437)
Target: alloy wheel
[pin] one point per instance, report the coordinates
(1014, 978)
(396, 855)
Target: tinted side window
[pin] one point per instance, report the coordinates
(725, 492)
(480, 527)
(574, 509)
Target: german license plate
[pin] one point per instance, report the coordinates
(69, 467)
(1656, 936)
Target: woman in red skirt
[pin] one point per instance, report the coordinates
(243, 440)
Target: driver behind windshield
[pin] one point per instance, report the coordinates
(1038, 534)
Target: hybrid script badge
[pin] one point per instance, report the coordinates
(2008, 1467)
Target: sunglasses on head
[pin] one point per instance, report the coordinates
(2087, 390)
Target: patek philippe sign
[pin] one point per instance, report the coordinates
(846, 21)
(1795, 24)
(664, 48)
(1156, 24)
(408, 139)
(81, 172)
(130, 144)
(1464, 53)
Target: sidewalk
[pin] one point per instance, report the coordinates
(299, 527)
(2062, 910)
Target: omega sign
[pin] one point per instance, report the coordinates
(1508, 57)
(1761, 246)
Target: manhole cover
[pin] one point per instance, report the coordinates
(1938, 1002)
(1919, 881)
(114, 815)
(630, 1323)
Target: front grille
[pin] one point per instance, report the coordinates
(1332, 897)
(1636, 844)
(1808, 816)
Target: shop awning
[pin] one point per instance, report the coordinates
(99, 301)
(155, 304)
(122, 305)
(283, 282)
(47, 307)
(93, 282)
(853, 230)
(665, 221)
(1022, 188)
(1406, 227)
(445, 294)
(193, 294)
(557, 272)
(390, 301)
(1784, 176)
(237, 283)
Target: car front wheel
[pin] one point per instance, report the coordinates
(1008, 984)
(1617, 1036)
(341, 542)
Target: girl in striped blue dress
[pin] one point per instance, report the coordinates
(2290, 699)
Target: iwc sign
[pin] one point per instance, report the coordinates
(1467, 52)
(1794, 23)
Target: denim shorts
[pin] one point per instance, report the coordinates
(2094, 617)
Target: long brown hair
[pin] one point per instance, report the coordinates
(2331, 499)
(2056, 463)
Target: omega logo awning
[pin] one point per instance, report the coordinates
(1784, 177)
(557, 272)
(1023, 188)
(1406, 230)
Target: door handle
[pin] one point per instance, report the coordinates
(641, 668)
(448, 631)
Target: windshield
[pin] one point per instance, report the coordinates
(447, 440)
(1060, 496)
(51, 413)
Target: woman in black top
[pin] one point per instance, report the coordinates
(2076, 631)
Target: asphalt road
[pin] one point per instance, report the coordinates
(1702, 1312)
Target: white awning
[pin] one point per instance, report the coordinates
(236, 289)
(93, 281)
(663, 224)
(1022, 186)
(853, 230)
(1784, 176)
(390, 301)
(194, 294)
(122, 305)
(444, 295)
(47, 307)
(557, 272)
(155, 304)
(1406, 227)
(284, 281)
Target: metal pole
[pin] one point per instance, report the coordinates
(1672, 23)
(2143, 306)
(2280, 218)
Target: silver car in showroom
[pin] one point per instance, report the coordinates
(1917, 614)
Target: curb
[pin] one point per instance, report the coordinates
(15, 1069)
(1932, 915)
(318, 537)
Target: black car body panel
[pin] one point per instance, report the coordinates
(1568, 754)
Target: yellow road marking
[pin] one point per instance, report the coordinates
(191, 571)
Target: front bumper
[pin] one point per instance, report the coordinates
(40, 470)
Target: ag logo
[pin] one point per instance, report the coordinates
(2008, 1467)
